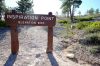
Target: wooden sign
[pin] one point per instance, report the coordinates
(30, 19)
(13, 19)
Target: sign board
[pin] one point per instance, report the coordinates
(13, 19)
(30, 19)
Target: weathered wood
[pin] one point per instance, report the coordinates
(50, 40)
(30, 19)
(14, 40)
(13, 19)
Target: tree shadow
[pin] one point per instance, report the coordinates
(3, 32)
(52, 59)
(11, 60)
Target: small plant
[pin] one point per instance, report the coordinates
(95, 49)
(82, 25)
(63, 21)
(93, 39)
(3, 24)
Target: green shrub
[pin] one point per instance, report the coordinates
(82, 25)
(93, 27)
(86, 18)
(93, 39)
(90, 27)
(95, 49)
(3, 24)
(63, 21)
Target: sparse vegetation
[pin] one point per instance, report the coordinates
(95, 49)
(93, 27)
(87, 32)
(93, 39)
(89, 27)
(63, 21)
(86, 18)
(82, 25)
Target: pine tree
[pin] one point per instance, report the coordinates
(2, 8)
(97, 11)
(24, 6)
(91, 11)
(68, 6)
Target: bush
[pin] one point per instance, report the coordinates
(95, 49)
(3, 24)
(93, 27)
(82, 25)
(63, 21)
(90, 27)
(93, 39)
(86, 18)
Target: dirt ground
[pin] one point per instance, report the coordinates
(32, 50)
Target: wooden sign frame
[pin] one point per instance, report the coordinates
(45, 20)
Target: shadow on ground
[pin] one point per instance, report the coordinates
(89, 42)
(3, 32)
(11, 60)
(52, 60)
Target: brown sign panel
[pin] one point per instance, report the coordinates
(13, 19)
(30, 19)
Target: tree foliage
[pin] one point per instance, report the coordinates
(97, 11)
(2, 7)
(24, 6)
(91, 11)
(68, 6)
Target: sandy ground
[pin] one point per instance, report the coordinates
(32, 50)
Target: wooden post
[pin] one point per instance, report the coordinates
(50, 37)
(50, 40)
(13, 19)
(14, 40)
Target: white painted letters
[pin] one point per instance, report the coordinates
(46, 18)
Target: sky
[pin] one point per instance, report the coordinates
(45, 6)
(87, 4)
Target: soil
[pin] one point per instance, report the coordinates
(32, 50)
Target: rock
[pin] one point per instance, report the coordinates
(38, 55)
(70, 55)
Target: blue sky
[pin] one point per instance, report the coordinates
(45, 6)
(87, 4)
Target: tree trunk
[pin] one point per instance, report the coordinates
(68, 14)
(72, 14)
(0, 16)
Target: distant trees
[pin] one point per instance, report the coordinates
(92, 11)
(68, 6)
(24, 6)
(2, 8)
(79, 13)
(97, 11)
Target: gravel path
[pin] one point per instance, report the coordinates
(33, 44)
